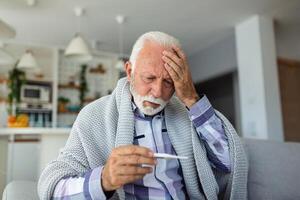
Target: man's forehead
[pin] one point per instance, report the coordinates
(151, 53)
(149, 60)
(154, 47)
(155, 71)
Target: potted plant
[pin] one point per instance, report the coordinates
(83, 87)
(62, 102)
(17, 78)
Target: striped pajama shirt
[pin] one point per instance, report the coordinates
(166, 180)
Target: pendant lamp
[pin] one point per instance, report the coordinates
(120, 63)
(27, 61)
(78, 49)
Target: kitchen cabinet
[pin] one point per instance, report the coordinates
(24, 152)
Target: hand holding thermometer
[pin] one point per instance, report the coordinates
(168, 156)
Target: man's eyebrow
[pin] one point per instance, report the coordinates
(147, 74)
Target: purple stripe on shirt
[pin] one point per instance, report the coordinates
(95, 187)
(141, 192)
(200, 107)
(214, 159)
(86, 190)
(198, 121)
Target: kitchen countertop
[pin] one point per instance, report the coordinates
(34, 131)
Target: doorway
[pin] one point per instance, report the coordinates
(289, 82)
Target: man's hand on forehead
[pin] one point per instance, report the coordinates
(178, 69)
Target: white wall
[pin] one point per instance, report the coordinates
(216, 60)
(221, 57)
(288, 41)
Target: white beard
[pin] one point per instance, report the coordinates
(147, 110)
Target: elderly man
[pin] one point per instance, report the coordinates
(112, 149)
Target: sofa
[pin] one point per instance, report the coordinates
(20, 190)
(274, 173)
(273, 170)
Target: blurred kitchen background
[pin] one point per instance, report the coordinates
(58, 55)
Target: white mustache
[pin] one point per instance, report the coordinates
(152, 99)
(148, 110)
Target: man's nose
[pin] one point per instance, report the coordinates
(157, 89)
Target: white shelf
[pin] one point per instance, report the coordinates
(34, 131)
(57, 69)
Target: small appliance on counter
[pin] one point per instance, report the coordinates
(36, 102)
(36, 92)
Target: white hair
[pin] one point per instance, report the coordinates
(154, 36)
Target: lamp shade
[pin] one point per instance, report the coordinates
(6, 31)
(78, 49)
(27, 61)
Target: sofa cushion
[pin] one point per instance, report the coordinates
(273, 170)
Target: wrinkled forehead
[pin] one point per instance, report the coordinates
(150, 58)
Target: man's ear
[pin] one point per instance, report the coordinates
(128, 70)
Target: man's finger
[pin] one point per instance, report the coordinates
(179, 52)
(134, 170)
(134, 149)
(136, 160)
(129, 178)
(173, 57)
(174, 65)
(172, 72)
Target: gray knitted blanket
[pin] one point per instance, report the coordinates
(109, 122)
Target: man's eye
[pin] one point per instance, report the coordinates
(150, 78)
(169, 83)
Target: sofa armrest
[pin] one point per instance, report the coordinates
(273, 169)
(16, 190)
